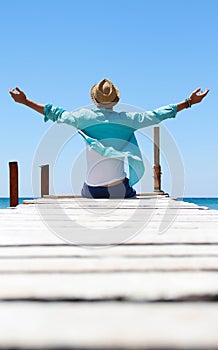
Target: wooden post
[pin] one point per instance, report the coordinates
(44, 180)
(157, 167)
(13, 169)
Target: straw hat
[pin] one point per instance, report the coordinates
(105, 92)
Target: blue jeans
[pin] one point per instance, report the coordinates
(121, 190)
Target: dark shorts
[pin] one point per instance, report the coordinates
(122, 190)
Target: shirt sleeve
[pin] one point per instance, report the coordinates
(60, 115)
(139, 120)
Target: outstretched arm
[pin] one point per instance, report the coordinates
(139, 120)
(196, 97)
(50, 112)
(20, 97)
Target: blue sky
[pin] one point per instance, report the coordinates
(156, 52)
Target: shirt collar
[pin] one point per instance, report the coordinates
(103, 109)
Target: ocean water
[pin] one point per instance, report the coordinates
(211, 203)
(5, 202)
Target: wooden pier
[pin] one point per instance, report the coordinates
(155, 290)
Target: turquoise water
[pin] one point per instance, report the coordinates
(5, 202)
(211, 203)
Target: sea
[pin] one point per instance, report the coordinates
(5, 202)
(211, 203)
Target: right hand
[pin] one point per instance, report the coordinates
(18, 95)
(198, 95)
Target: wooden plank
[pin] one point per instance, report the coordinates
(112, 264)
(98, 223)
(109, 325)
(143, 287)
(45, 237)
(156, 216)
(137, 251)
(127, 203)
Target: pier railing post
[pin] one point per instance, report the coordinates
(44, 180)
(13, 169)
(157, 167)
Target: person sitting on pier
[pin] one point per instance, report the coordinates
(109, 136)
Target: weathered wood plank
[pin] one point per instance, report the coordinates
(109, 325)
(171, 237)
(111, 264)
(136, 251)
(105, 203)
(143, 287)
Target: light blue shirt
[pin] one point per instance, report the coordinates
(111, 133)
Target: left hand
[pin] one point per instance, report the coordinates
(198, 95)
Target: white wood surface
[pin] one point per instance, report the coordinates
(154, 290)
(109, 325)
(149, 286)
